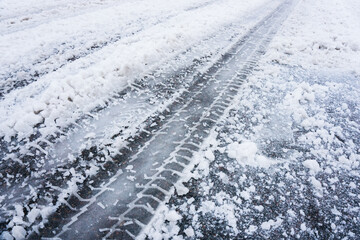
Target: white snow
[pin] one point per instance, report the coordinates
(259, 208)
(173, 216)
(6, 236)
(243, 152)
(271, 224)
(320, 38)
(18, 232)
(312, 165)
(317, 186)
(62, 96)
(181, 189)
(189, 232)
(303, 227)
(320, 34)
(252, 229)
(246, 153)
(209, 155)
(335, 211)
(33, 214)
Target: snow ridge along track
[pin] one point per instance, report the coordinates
(120, 206)
(60, 53)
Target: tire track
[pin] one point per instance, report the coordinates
(119, 204)
(160, 85)
(49, 179)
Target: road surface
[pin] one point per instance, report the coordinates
(103, 123)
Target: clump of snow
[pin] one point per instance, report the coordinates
(181, 189)
(243, 152)
(271, 224)
(303, 227)
(246, 153)
(224, 211)
(157, 230)
(33, 214)
(317, 186)
(189, 232)
(312, 165)
(173, 216)
(18, 232)
(251, 229)
(209, 155)
(6, 236)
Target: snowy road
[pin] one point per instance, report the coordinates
(103, 121)
(122, 206)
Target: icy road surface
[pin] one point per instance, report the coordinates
(164, 119)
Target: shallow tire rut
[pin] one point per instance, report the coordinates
(143, 175)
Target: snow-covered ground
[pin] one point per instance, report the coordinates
(284, 161)
(58, 98)
(61, 60)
